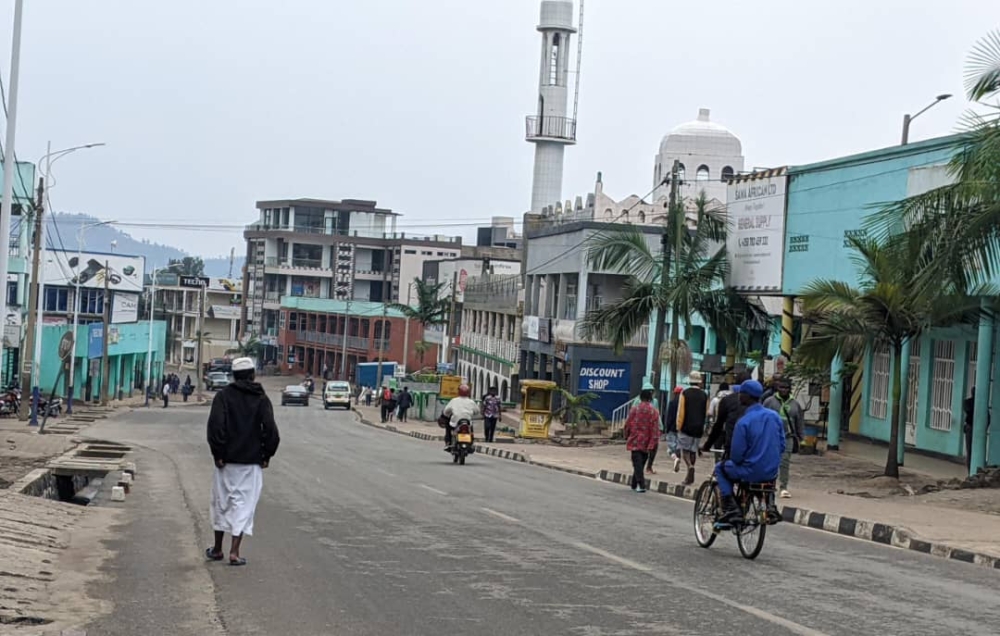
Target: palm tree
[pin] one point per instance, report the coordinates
(187, 266)
(249, 348)
(576, 409)
(963, 218)
(431, 309)
(694, 284)
(893, 303)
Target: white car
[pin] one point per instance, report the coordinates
(337, 393)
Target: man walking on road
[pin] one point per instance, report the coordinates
(793, 419)
(692, 410)
(642, 432)
(166, 394)
(243, 437)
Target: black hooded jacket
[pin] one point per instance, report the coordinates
(241, 428)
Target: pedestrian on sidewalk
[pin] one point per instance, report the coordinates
(670, 427)
(392, 405)
(383, 403)
(692, 411)
(793, 419)
(729, 412)
(368, 395)
(243, 438)
(165, 392)
(713, 406)
(642, 430)
(405, 402)
(491, 414)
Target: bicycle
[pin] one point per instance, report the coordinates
(756, 501)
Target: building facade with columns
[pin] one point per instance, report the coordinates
(489, 346)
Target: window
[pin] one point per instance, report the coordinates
(609, 215)
(727, 173)
(56, 299)
(878, 401)
(409, 251)
(293, 321)
(942, 384)
(642, 216)
(696, 339)
(12, 292)
(702, 173)
(554, 61)
(91, 301)
(680, 171)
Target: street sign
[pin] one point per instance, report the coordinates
(66, 346)
(26, 368)
(448, 387)
(193, 281)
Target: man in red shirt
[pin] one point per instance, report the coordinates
(642, 432)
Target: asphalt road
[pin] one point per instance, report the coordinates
(360, 531)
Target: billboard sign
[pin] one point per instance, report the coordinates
(123, 273)
(610, 381)
(755, 242)
(124, 308)
(95, 340)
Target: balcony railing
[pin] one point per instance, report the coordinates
(490, 345)
(298, 263)
(549, 127)
(360, 233)
(332, 340)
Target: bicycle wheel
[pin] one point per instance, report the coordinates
(706, 511)
(750, 537)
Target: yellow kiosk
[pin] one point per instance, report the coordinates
(536, 408)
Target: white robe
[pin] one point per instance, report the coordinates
(235, 492)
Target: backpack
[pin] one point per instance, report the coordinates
(386, 395)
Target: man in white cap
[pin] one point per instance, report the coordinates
(243, 437)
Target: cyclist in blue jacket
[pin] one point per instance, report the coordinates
(755, 455)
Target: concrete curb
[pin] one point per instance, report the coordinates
(847, 526)
(857, 528)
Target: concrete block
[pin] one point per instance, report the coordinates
(130, 468)
(118, 493)
(126, 477)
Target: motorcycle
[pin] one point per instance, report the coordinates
(462, 442)
(50, 408)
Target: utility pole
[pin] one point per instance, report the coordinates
(201, 337)
(105, 360)
(385, 310)
(451, 317)
(406, 331)
(679, 229)
(10, 165)
(29, 408)
(661, 331)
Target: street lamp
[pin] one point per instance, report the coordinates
(909, 118)
(50, 157)
(76, 306)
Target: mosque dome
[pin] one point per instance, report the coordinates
(701, 137)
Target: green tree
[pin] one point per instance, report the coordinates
(962, 219)
(431, 309)
(694, 284)
(893, 302)
(187, 266)
(576, 409)
(250, 348)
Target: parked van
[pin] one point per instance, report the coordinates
(337, 393)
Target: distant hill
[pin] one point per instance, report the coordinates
(157, 255)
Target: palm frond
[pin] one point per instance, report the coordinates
(618, 322)
(982, 72)
(624, 251)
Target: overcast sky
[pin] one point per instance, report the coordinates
(209, 106)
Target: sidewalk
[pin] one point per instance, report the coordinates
(839, 491)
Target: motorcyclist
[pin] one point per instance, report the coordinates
(458, 408)
(755, 455)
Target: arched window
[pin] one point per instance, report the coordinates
(727, 173)
(554, 61)
(609, 215)
(702, 173)
(503, 391)
(642, 216)
(680, 171)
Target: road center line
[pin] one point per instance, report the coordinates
(434, 490)
(613, 557)
(500, 515)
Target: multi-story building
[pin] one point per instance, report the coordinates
(328, 250)
(181, 307)
(489, 345)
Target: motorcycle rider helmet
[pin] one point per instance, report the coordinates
(464, 390)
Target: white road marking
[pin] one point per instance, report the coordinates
(500, 515)
(434, 490)
(791, 626)
(613, 557)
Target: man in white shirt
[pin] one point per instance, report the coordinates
(713, 407)
(459, 408)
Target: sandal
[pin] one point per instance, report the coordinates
(212, 555)
(239, 561)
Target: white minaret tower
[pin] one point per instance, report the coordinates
(550, 129)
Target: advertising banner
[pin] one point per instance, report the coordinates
(124, 273)
(610, 381)
(755, 240)
(124, 308)
(95, 340)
